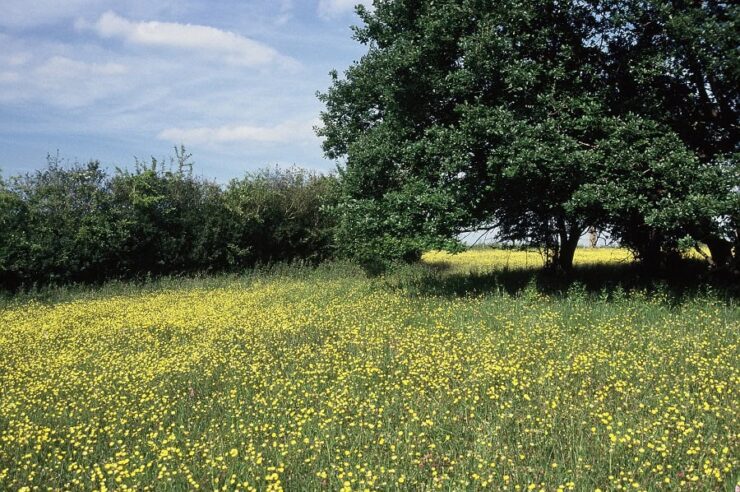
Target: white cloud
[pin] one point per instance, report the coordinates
(16, 59)
(8, 77)
(230, 47)
(60, 80)
(22, 13)
(119, 89)
(330, 9)
(62, 67)
(285, 13)
(287, 132)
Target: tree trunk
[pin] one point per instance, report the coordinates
(650, 251)
(567, 248)
(720, 249)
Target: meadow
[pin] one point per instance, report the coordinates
(326, 379)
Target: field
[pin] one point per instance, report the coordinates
(316, 379)
(485, 259)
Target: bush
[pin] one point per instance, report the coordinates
(278, 215)
(79, 223)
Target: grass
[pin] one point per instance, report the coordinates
(459, 375)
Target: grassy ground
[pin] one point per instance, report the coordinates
(431, 377)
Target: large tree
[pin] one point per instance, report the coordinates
(676, 62)
(490, 113)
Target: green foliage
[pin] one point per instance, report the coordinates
(280, 215)
(539, 119)
(399, 226)
(55, 221)
(676, 63)
(78, 223)
(649, 190)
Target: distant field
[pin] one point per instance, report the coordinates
(326, 379)
(482, 259)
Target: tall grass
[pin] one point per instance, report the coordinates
(304, 378)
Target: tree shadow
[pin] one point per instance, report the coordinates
(690, 278)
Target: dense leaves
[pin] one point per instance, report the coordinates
(79, 223)
(539, 119)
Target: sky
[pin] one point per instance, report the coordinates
(235, 81)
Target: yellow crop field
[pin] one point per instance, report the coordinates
(483, 259)
(329, 380)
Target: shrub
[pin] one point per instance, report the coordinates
(79, 223)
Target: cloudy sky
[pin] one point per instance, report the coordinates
(232, 80)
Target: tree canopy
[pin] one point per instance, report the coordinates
(538, 118)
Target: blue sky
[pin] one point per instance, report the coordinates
(234, 81)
